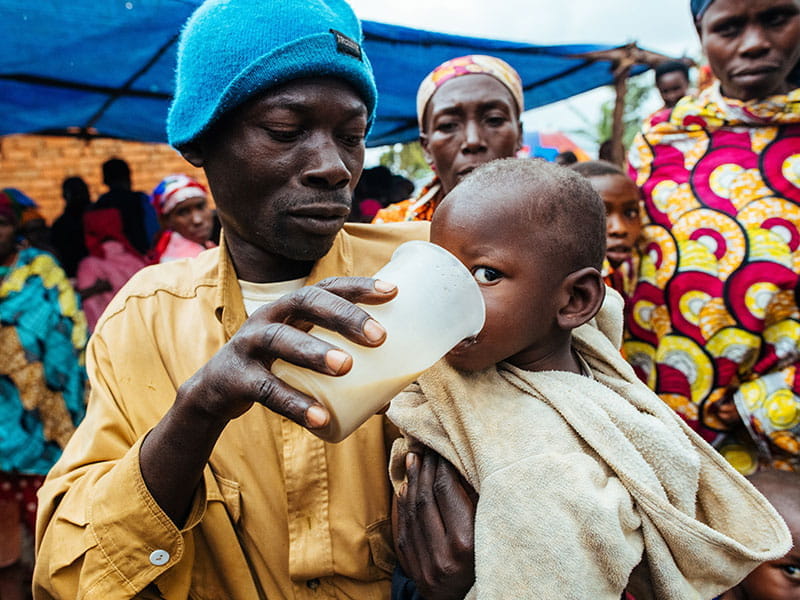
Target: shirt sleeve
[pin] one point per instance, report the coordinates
(100, 533)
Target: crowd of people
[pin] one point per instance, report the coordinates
(625, 425)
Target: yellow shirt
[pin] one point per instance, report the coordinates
(280, 514)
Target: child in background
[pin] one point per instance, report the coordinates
(589, 484)
(777, 579)
(181, 204)
(623, 221)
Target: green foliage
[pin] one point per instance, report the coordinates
(407, 160)
(639, 88)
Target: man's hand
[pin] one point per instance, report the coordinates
(239, 374)
(434, 523)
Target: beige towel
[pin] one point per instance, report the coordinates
(588, 486)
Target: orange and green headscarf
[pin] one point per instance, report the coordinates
(473, 64)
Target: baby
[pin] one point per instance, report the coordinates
(777, 579)
(589, 484)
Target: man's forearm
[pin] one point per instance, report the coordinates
(173, 456)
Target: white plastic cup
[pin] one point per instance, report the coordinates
(438, 304)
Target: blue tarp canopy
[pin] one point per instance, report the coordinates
(88, 67)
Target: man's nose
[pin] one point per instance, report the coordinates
(325, 167)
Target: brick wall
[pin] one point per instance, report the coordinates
(37, 165)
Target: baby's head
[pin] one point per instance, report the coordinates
(776, 579)
(533, 235)
(621, 199)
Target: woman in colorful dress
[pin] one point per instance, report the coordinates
(42, 384)
(715, 323)
(463, 122)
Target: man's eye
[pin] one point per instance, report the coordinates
(486, 274)
(284, 135)
(352, 139)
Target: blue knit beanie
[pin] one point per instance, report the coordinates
(232, 50)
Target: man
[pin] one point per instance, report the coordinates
(182, 483)
(138, 218)
(672, 81)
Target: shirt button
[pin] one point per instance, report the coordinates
(312, 584)
(159, 557)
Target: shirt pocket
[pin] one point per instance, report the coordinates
(379, 537)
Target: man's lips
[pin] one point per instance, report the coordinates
(321, 211)
(323, 219)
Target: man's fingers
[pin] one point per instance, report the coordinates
(292, 404)
(456, 501)
(360, 289)
(324, 308)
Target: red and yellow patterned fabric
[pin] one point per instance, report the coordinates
(419, 208)
(714, 316)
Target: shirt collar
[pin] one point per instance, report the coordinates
(229, 305)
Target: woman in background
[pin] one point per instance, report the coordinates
(181, 204)
(468, 110)
(715, 317)
(42, 385)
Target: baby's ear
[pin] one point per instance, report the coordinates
(584, 290)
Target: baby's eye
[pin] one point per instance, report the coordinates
(486, 274)
(791, 571)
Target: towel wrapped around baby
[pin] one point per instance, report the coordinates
(589, 485)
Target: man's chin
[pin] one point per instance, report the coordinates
(311, 250)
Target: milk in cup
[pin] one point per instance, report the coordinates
(438, 304)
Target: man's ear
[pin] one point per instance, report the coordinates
(193, 153)
(584, 291)
(521, 136)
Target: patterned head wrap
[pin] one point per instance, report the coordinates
(699, 7)
(18, 207)
(173, 190)
(473, 64)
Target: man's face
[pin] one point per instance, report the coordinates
(470, 120)
(672, 86)
(283, 166)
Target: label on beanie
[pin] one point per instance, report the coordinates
(346, 45)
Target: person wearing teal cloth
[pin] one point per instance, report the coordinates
(42, 384)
